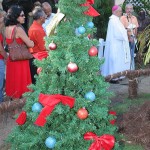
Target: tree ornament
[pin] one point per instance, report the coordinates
(90, 24)
(81, 30)
(111, 112)
(39, 70)
(37, 107)
(21, 118)
(89, 36)
(114, 114)
(52, 46)
(90, 11)
(72, 67)
(77, 33)
(82, 113)
(49, 102)
(104, 142)
(90, 96)
(93, 51)
(50, 142)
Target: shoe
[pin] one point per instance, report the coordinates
(114, 81)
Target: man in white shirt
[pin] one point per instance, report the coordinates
(48, 11)
(117, 51)
(130, 22)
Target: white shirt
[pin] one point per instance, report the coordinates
(47, 22)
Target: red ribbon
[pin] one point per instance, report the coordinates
(104, 142)
(111, 112)
(49, 102)
(21, 118)
(40, 55)
(88, 2)
(91, 11)
(114, 114)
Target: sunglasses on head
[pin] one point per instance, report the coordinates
(22, 15)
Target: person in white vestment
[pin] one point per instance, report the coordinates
(117, 51)
(48, 11)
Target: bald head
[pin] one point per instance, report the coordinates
(47, 8)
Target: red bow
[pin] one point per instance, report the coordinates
(91, 11)
(114, 114)
(21, 118)
(49, 102)
(40, 55)
(104, 142)
(88, 2)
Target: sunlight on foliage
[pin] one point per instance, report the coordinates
(143, 38)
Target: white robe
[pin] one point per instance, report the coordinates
(117, 51)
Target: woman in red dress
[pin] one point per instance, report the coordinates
(18, 75)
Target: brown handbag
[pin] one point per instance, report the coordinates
(18, 51)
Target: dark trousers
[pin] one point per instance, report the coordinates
(33, 70)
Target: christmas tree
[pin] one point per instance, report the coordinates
(68, 107)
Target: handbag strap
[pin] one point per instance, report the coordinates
(13, 33)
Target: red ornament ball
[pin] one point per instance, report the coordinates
(72, 67)
(93, 51)
(82, 113)
(39, 70)
(89, 36)
(52, 46)
(112, 121)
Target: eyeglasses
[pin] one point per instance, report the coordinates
(22, 15)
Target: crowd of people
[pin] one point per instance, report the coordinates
(19, 74)
(118, 53)
(120, 42)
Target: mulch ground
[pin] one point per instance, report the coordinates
(135, 125)
(6, 125)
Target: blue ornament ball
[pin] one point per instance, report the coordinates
(50, 142)
(81, 30)
(77, 33)
(37, 107)
(90, 96)
(90, 24)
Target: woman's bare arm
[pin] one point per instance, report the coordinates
(21, 34)
(3, 52)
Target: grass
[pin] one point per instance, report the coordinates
(133, 147)
(125, 106)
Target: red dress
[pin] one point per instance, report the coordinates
(18, 75)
